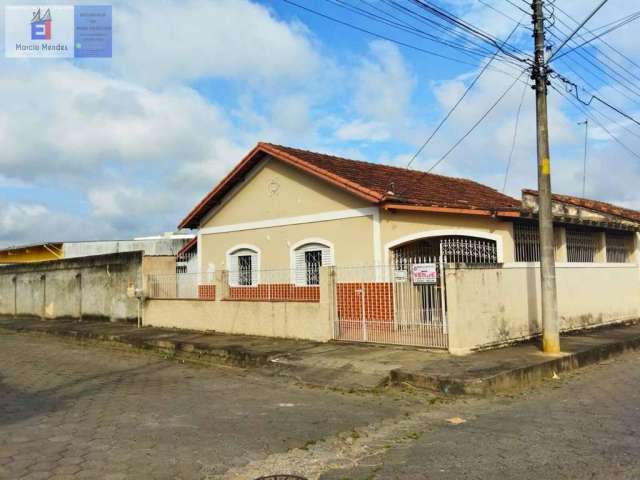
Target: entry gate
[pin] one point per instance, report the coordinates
(398, 304)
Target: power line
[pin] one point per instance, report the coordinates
(586, 112)
(389, 39)
(609, 30)
(450, 18)
(513, 140)
(481, 52)
(578, 28)
(574, 87)
(452, 109)
(480, 120)
(601, 40)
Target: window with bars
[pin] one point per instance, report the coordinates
(308, 259)
(619, 247)
(313, 262)
(581, 245)
(526, 237)
(243, 267)
(245, 270)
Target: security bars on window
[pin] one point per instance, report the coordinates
(619, 246)
(581, 245)
(527, 242)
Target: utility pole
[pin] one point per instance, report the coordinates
(584, 163)
(550, 327)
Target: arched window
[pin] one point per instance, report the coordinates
(307, 258)
(243, 262)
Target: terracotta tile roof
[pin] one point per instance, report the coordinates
(596, 205)
(409, 186)
(379, 184)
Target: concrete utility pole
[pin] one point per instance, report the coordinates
(550, 327)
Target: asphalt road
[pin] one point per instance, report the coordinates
(69, 412)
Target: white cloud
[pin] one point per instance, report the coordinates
(170, 40)
(359, 130)
(383, 84)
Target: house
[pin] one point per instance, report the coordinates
(415, 258)
(281, 207)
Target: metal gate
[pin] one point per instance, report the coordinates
(392, 304)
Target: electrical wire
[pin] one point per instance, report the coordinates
(389, 39)
(473, 127)
(580, 107)
(513, 140)
(455, 106)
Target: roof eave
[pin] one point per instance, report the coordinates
(451, 210)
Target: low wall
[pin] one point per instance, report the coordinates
(87, 287)
(301, 320)
(490, 307)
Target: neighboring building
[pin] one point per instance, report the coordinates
(168, 244)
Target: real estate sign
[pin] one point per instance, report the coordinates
(424, 273)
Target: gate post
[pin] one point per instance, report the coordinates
(327, 301)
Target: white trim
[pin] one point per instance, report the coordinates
(303, 242)
(281, 222)
(297, 245)
(466, 232)
(256, 268)
(377, 238)
(199, 251)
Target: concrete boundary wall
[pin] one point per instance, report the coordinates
(88, 287)
(280, 319)
(494, 306)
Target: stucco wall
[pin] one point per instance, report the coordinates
(277, 190)
(488, 307)
(89, 287)
(396, 225)
(308, 321)
(351, 237)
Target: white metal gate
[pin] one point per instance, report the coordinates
(389, 304)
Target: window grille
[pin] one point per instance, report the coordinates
(581, 245)
(313, 262)
(243, 268)
(527, 242)
(245, 271)
(308, 259)
(619, 247)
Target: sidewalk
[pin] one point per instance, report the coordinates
(355, 366)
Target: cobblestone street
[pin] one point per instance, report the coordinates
(72, 411)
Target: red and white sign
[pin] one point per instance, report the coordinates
(424, 273)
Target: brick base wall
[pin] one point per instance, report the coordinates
(206, 292)
(378, 301)
(276, 293)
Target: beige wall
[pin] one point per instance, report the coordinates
(489, 307)
(396, 225)
(352, 239)
(278, 190)
(307, 321)
(301, 320)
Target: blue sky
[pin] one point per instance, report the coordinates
(115, 148)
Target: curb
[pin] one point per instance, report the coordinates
(516, 378)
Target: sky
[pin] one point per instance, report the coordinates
(126, 146)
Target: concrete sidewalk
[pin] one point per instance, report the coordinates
(355, 366)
